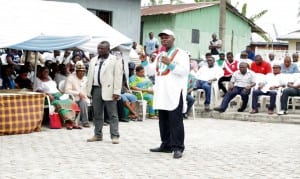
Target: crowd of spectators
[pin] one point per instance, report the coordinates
(233, 77)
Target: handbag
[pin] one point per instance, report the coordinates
(55, 121)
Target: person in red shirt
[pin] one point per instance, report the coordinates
(260, 66)
(229, 66)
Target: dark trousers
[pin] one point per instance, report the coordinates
(231, 94)
(285, 96)
(190, 101)
(257, 93)
(171, 128)
(221, 85)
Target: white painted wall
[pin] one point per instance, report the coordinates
(126, 14)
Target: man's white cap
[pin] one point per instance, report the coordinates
(80, 66)
(166, 32)
(277, 63)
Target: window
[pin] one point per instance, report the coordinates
(195, 36)
(106, 16)
(297, 46)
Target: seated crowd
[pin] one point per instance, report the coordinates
(249, 78)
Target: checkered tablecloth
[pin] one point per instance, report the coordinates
(21, 112)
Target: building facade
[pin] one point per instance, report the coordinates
(194, 24)
(122, 15)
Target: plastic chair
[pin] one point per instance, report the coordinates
(213, 97)
(264, 100)
(142, 103)
(193, 107)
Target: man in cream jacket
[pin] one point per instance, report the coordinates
(104, 85)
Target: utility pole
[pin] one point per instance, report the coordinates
(222, 23)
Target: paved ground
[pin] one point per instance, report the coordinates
(214, 149)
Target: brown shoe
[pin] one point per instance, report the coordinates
(253, 111)
(94, 139)
(270, 112)
(115, 140)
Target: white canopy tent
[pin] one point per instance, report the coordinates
(49, 25)
(38, 25)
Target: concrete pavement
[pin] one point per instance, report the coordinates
(214, 149)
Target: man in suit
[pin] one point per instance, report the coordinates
(104, 85)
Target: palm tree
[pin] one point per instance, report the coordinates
(253, 18)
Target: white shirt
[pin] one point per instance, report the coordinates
(242, 80)
(272, 80)
(247, 60)
(134, 57)
(169, 86)
(95, 79)
(59, 77)
(46, 86)
(205, 73)
(150, 68)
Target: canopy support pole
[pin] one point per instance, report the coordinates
(35, 70)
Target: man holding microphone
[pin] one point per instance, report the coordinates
(170, 91)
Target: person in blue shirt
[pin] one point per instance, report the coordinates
(288, 67)
(8, 81)
(150, 44)
(250, 53)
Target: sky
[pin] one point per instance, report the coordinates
(283, 14)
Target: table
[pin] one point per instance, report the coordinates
(20, 111)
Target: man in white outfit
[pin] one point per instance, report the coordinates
(170, 91)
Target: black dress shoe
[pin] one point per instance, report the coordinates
(177, 154)
(241, 109)
(219, 109)
(159, 149)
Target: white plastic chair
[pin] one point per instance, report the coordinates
(193, 107)
(213, 97)
(197, 94)
(142, 103)
(264, 100)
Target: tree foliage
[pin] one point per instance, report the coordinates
(253, 18)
